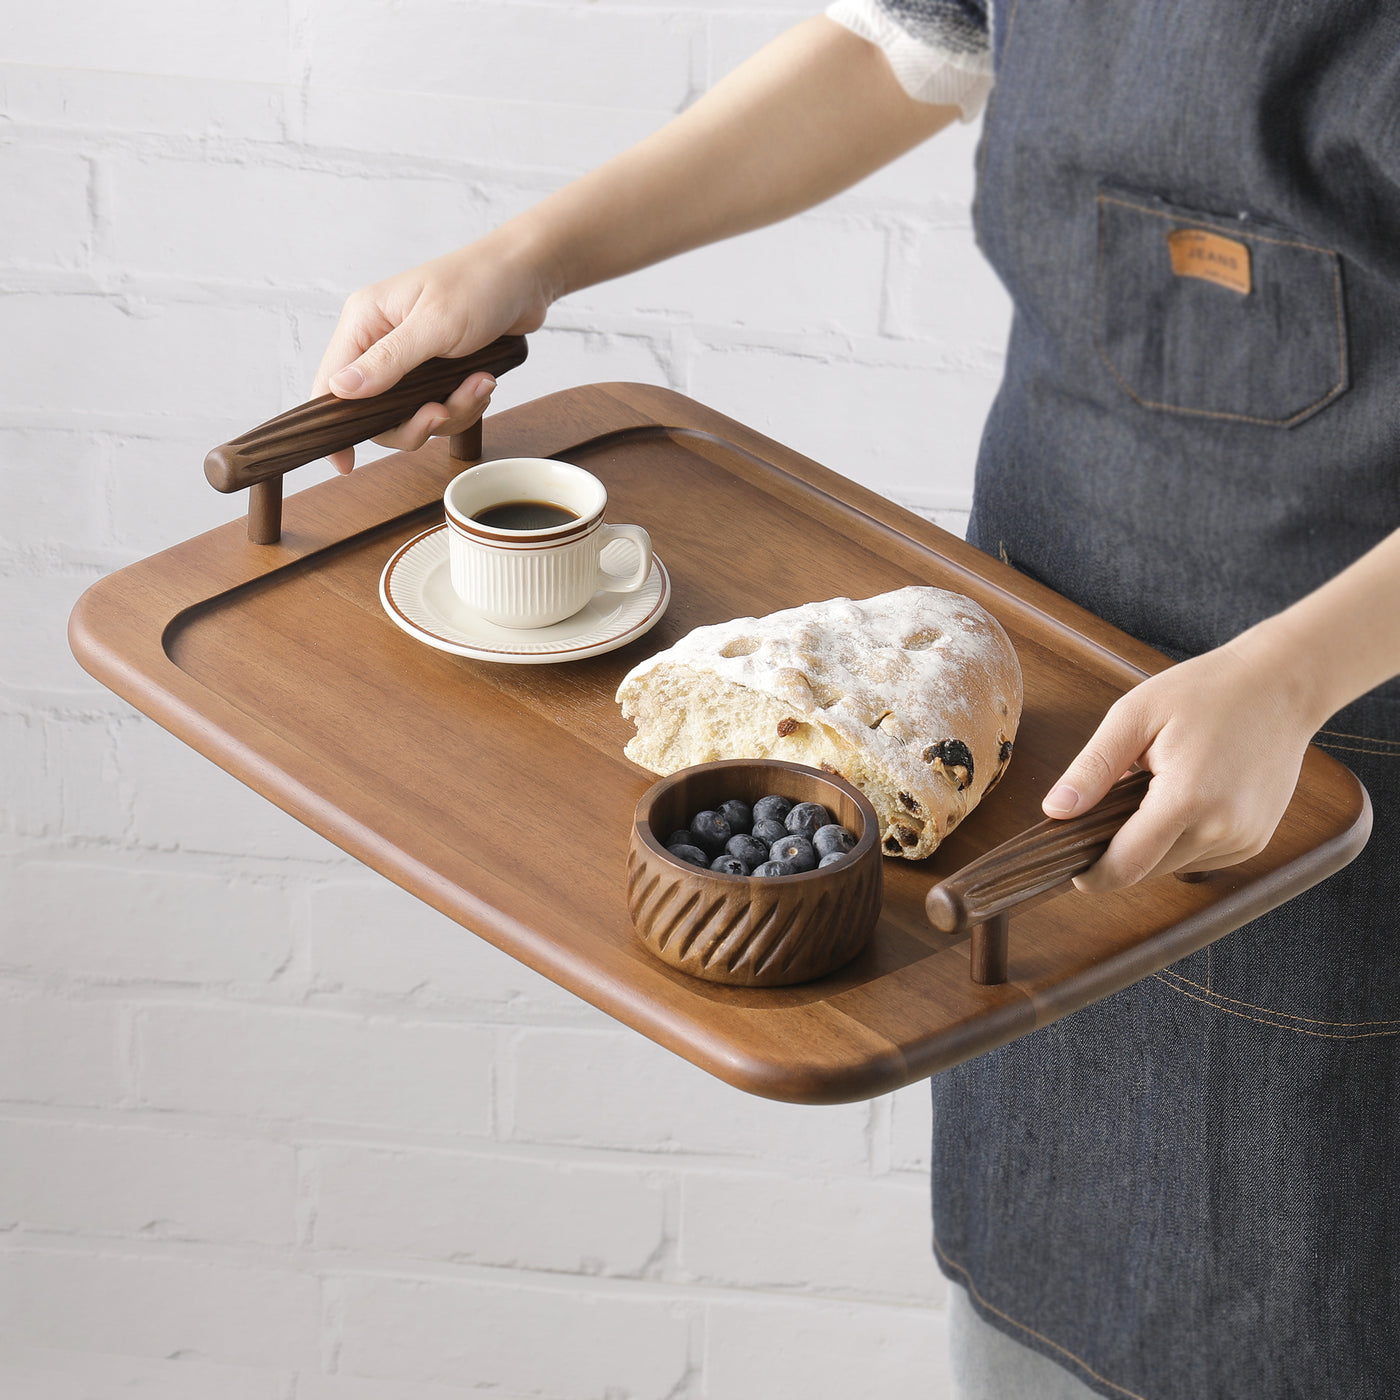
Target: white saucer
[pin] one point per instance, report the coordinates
(416, 590)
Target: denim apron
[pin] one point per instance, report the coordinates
(1191, 1190)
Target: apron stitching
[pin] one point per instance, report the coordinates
(1215, 413)
(1338, 388)
(1278, 1026)
(1354, 748)
(1233, 229)
(1030, 1331)
(1340, 305)
(1365, 738)
(1269, 1010)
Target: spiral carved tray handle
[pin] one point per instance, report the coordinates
(259, 458)
(982, 894)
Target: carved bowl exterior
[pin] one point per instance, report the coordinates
(736, 929)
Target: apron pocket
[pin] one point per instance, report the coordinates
(1216, 317)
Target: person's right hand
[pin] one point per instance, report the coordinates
(450, 306)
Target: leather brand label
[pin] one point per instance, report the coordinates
(1210, 256)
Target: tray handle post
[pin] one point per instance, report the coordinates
(991, 949)
(981, 895)
(466, 447)
(258, 459)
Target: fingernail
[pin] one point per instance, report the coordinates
(1060, 801)
(347, 380)
(486, 388)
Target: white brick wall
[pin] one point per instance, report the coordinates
(270, 1129)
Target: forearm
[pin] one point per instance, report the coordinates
(809, 115)
(1339, 641)
(814, 112)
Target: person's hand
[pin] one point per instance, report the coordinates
(1223, 736)
(450, 306)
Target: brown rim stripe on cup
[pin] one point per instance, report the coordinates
(523, 539)
(525, 542)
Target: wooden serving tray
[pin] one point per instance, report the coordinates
(499, 794)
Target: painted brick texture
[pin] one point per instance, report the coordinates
(269, 1128)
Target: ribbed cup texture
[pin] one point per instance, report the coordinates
(524, 587)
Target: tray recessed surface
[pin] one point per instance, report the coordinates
(280, 664)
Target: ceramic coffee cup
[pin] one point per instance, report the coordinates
(525, 540)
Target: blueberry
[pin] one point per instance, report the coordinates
(806, 818)
(748, 849)
(774, 867)
(679, 838)
(796, 851)
(835, 858)
(709, 831)
(738, 814)
(833, 840)
(693, 854)
(772, 808)
(729, 865)
(769, 830)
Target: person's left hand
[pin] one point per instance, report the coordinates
(1223, 737)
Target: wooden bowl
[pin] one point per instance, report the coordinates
(736, 929)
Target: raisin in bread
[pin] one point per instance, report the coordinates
(913, 696)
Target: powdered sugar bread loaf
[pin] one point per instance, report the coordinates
(914, 696)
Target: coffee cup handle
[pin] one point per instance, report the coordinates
(625, 583)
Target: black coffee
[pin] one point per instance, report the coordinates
(524, 515)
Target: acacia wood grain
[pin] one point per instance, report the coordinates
(278, 663)
(329, 424)
(1034, 864)
(259, 458)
